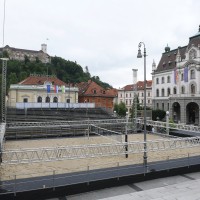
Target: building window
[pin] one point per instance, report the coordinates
(192, 54)
(182, 90)
(163, 80)
(148, 101)
(192, 74)
(157, 92)
(47, 100)
(68, 101)
(157, 105)
(163, 106)
(174, 90)
(55, 99)
(168, 106)
(163, 92)
(148, 94)
(121, 95)
(126, 102)
(192, 89)
(157, 80)
(126, 95)
(130, 102)
(168, 79)
(130, 94)
(25, 100)
(142, 94)
(39, 99)
(182, 77)
(95, 91)
(168, 91)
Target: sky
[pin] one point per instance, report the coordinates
(101, 34)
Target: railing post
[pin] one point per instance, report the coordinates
(15, 186)
(53, 180)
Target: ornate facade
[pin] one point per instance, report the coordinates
(176, 81)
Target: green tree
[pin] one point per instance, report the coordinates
(158, 113)
(120, 109)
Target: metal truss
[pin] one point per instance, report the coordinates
(182, 127)
(3, 89)
(53, 124)
(36, 155)
(62, 123)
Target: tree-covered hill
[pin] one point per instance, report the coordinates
(65, 70)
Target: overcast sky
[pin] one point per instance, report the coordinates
(101, 34)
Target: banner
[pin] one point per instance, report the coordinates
(48, 88)
(56, 88)
(63, 88)
(186, 74)
(175, 76)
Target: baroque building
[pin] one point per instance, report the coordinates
(176, 82)
(32, 55)
(39, 91)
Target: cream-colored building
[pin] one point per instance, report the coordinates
(42, 91)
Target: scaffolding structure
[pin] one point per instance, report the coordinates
(35, 155)
(3, 89)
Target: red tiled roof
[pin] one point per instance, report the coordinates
(91, 88)
(140, 85)
(40, 80)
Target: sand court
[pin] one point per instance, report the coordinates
(66, 166)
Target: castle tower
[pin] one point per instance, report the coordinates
(44, 48)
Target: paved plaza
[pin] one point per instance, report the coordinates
(180, 187)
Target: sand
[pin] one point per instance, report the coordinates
(46, 168)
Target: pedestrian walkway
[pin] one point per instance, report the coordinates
(181, 187)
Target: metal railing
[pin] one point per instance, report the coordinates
(35, 155)
(16, 183)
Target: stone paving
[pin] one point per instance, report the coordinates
(181, 187)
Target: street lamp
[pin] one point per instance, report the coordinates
(139, 55)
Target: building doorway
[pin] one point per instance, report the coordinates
(192, 113)
(176, 110)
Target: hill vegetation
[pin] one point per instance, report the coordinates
(65, 70)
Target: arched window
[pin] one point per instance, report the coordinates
(163, 92)
(174, 90)
(168, 79)
(163, 80)
(47, 100)
(39, 99)
(157, 92)
(192, 54)
(192, 89)
(55, 99)
(168, 91)
(182, 90)
(192, 74)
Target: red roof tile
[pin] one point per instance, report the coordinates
(40, 80)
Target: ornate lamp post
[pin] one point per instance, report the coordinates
(139, 55)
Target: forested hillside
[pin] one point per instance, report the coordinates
(65, 70)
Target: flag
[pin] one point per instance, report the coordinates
(55, 88)
(175, 76)
(186, 74)
(48, 88)
(63, 88)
